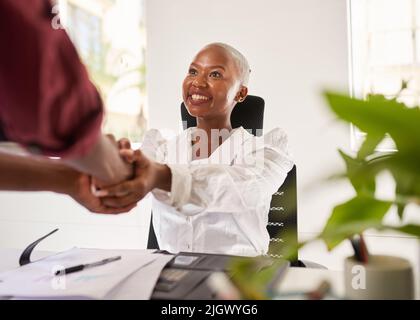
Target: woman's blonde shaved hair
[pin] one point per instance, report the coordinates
(239, 58)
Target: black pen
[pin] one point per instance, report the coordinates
(86, 266)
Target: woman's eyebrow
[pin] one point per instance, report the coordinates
(210, 67)
(217, 67)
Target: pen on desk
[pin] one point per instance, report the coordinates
(86, 266)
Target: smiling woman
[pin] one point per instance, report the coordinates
(210, 192)
(217, 77)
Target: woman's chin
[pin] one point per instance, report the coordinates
(197, 111)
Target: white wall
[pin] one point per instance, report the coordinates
(24, 217)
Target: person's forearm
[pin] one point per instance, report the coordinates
(20, 173)
(164, 177)
(103, 162)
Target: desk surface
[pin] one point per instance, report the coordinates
(296, 279)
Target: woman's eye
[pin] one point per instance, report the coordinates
(215, 74)
(192, 72)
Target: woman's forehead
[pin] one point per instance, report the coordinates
(214, 56)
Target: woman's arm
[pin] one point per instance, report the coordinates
(149, 175)
(219, 188)
(226, 188)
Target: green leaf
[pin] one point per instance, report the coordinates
(369, 145)
(379, 116)
(252, 276)
(363, 184)
(406, 173)
(410, 229)
(353, 217)
(405, 170)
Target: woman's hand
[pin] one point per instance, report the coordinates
(148, 175)
(81, 191)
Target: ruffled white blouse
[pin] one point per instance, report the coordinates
(219, 204)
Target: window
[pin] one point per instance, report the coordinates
(86, 29)
(385, 36)
(110, 38)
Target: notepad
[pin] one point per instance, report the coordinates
(37, 280)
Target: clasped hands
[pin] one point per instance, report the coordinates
(123, 197)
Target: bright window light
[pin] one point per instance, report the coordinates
(385, 41)
(110, 37)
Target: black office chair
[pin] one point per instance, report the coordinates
(283, 209)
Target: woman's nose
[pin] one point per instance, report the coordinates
(200, 82)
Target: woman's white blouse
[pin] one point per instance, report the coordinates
(219, 204)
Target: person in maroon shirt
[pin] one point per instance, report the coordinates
(49, 106)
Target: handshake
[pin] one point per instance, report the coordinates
(123, 197)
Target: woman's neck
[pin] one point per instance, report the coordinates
(217, 131)
(213, 124)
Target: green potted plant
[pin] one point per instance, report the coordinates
(385, 277)
(378, 117)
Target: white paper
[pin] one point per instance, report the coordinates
(140, 285)
(37, 280)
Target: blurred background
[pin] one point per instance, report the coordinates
(111, 39)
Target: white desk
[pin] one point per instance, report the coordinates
(296, 279)
(128, 290)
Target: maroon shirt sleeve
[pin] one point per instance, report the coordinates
(46, 98)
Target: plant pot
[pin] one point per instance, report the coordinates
(383, 277)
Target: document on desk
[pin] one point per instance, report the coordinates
(140, 285)
(37, 280)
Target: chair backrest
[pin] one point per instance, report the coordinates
(283, 209)
(283, 215)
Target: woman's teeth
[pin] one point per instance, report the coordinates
(199, 97)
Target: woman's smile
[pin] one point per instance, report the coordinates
(198, 97)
